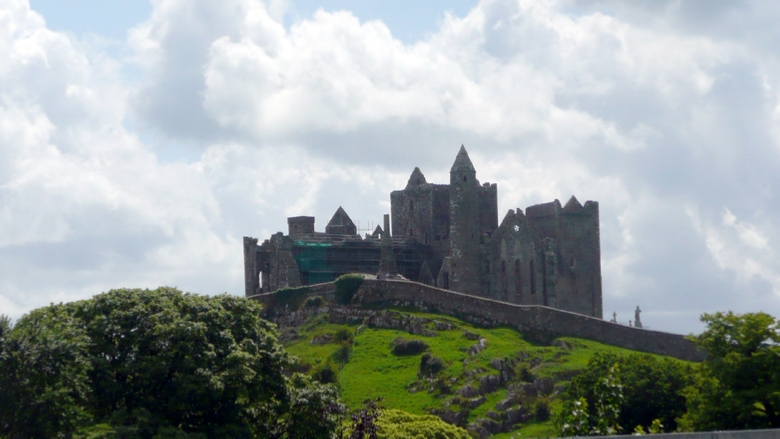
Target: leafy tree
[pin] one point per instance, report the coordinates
(395, 424)
(651, 389)
(154, 363)
(739, 383)
(43, 376)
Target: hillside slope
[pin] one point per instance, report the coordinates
(494, 381)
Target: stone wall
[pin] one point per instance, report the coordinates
(740, 434)
(540, 321)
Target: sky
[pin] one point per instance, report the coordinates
(140, 141)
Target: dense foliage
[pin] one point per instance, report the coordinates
(737, 387)
(739, 383)
(347, 286)
(649, 388)
(144, 363)
(395, 424)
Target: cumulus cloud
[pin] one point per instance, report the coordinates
(665, 112)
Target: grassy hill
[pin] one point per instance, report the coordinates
(470, 386)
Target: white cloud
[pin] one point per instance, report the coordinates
(654, 110)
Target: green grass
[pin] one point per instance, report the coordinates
(373, 371)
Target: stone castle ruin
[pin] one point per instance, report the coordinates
(447, 236)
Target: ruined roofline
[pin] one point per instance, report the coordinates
(553, 208)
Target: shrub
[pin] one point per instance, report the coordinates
(402, 346)
(342, 335)
(542, 410)
(346, 287)
(395, 424)
(313, 302)
(523, 370)
(290, 298)
(325, 373)
(341, 355)
(430, 364)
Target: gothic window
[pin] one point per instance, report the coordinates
(517, 228)
(503, 277)
(518, 278)
(446, 280)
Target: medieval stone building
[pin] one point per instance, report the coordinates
(448, 236)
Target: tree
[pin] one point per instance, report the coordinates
(152, 363)
(739, 383)
(650, 389)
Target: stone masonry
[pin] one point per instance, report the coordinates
(448, 236)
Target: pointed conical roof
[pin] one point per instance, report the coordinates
(573, 203)
(340, 218)
(340, 224)
(462, 161)
(416, 179)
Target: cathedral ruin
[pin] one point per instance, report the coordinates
(447, 236)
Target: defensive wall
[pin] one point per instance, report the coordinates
(541, 321)
(735, 434)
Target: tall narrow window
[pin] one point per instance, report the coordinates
(503, 277)
(518, 278)
(446, 280)
(533, 277)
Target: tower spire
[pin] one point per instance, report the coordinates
(462, 161)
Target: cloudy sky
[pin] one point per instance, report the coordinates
(140, 141)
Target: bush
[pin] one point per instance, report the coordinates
(346, 287)
(542, 410)
(343, 335)
(289, 298)
(325, 373)
(430, 364)
(313, 302)
(341, 355)
(395, 424)
(523, 370)
(402, 346)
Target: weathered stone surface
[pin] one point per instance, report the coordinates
(480, 346)
(474, 402)
(321, 339)
(468, 392)
(542, 321)
(471, 335)
(452, 417)
(490, 383)
(447, 235)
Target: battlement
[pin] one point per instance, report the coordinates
(448, 235)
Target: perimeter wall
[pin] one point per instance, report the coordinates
(541, 321)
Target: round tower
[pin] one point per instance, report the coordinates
(464, 225)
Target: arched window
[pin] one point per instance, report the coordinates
(503, 278)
